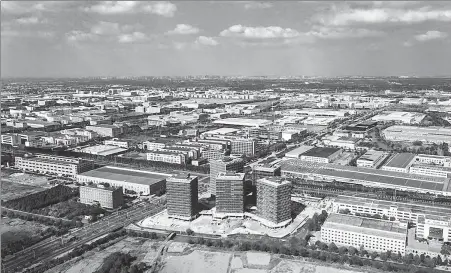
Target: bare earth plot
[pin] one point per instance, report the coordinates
(143, 249)
(197, 261)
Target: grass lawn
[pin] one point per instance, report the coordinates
(11, 190)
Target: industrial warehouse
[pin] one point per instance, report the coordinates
(366, 176)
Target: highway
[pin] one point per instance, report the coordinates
(52, 247)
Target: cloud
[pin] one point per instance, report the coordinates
(207, 41)
(106, 28)
(183, 29)
(257, 5)
(21, 7)
(27, 34)
(348, 16)
(161, 8)
(430, 35)
(132, 37)
(80, 36)
(259, 32)
(33, 20)
(340, 32)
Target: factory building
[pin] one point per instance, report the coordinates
(321, 155)
(424, 134)
(132, 181)
(372, 234)
(372, 159)
(59, 165)
(182, 197)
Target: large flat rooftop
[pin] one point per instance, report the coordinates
(367, 226)
(401, 160)
(126, 175)
(351, 174)
(244, 122)
(323, 152)
(412, 207)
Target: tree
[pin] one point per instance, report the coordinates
(189, 231)
(333, 247)
(384, 256)
(374, 255)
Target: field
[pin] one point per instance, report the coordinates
(11, 190)
(184, 258)
(70, 209)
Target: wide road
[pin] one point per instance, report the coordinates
(49, 249)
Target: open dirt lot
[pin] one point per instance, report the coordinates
(28, 179)
(197, 261)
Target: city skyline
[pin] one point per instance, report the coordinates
(249, 38)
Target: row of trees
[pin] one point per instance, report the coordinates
(76, 252)
(12, 243)
(42, 199)
(62, 224)
(331, 253)
(119, 262)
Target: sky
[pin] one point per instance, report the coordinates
(248, 38)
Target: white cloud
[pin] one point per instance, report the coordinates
(259, 32)
(184, 29)
(348, 16)
(162, 8)
(80, 36)
(339, 33)
(257, 5)
(180, 45)
(35, 34)
(21, 7)
(106, 28)
(33, 20)
(132, 37)
(208, 41)
(431, 35)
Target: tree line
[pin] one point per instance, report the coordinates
(118, 262)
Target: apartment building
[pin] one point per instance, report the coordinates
(117, 142)
(59, 165)
(11, 139)
(168, 157)
(182, 196)
(222, 166)
(154, 145)
(106, 197)
(230, 194)
(132, 181)
(372, 234)
(274, 200)
(212, 154)
(371, 159)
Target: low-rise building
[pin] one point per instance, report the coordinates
(105, 130)
(321, 155)
(431, 170)
(104, 196)
(59, 165)
(400, 162)
(372, 159)
(424, 134)
(372, 234)
(132, 181)
(168, 157)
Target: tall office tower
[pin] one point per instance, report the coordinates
(182, 196)
(274, 199)
(222, 166)
(230, 193)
